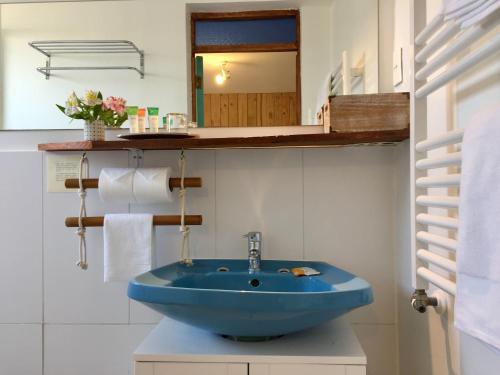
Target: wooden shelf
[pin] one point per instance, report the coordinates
(288, 141)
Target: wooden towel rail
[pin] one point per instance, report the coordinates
(98, 221)
(93, 183)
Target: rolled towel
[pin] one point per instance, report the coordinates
(116, 185)
(128, 246)
(151, 185)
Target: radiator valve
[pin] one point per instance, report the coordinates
(420, 300)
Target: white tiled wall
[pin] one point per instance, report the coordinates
(324, 204)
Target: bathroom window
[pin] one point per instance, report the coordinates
(245, 68)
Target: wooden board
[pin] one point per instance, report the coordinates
(215, 110)
(232, 110)
(208, 112)
(353, 113)
(267, 110)
(242, 109)
(224, 111)
(250, 109)
(300, 140)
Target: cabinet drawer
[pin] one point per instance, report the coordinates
(296, 369)
(180, 368)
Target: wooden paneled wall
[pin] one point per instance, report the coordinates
(250, 109)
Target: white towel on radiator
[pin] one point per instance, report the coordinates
(477, 303)
(480, 14)
(128, 245)
(456, 8)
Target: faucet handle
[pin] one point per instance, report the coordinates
(253, 236)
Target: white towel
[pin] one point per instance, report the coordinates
(456, 8)
(469, 12)
(478, 257)
(480, 14)
(151, 185)
(116, 185)
(128, 245)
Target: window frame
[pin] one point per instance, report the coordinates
(269, 47)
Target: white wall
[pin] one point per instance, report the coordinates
(155, 26)
(355, 30)
(327, 204)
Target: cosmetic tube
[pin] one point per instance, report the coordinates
(153, 119)
(141, 114)
(132, 119)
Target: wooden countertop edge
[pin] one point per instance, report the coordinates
(297, 140)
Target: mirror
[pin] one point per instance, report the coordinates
(265, 88)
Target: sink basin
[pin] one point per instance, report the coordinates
(221, 296)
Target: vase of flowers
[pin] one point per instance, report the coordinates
(96, 112)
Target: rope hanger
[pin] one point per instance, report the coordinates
(82, 193)
(81, 229)
(185, 252)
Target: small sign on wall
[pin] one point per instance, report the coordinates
(59, 168)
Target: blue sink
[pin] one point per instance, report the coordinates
(221, 296)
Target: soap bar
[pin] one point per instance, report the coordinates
(305, 271)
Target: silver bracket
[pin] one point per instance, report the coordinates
(47, 70)
(137, 155)
(141, 62)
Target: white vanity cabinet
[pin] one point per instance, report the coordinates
(173, 348)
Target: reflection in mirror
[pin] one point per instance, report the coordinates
(307, 53)
(249, 89)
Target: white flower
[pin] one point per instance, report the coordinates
(91, 99)
(72, 100)
(71, 110)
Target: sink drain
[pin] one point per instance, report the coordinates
(222, 269)
(284, 270)
(254, 282)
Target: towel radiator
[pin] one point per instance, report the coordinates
(434, 216)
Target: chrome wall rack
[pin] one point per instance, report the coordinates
(50, 48)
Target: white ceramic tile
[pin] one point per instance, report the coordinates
(259, 190)
(199, 201)
(21, 236)
(73, 295)
(21, 349)
(379, 343)
(348, 219)
(91, 349)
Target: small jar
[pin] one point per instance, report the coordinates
(176, 122)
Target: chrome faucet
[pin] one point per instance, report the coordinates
(254, 251)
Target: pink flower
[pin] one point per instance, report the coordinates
(115, 104)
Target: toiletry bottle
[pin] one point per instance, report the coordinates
(153, 119)
(133, 119)
(141, 113)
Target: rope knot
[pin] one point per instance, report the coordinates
(182, 193)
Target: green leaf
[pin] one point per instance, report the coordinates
(99, 95)
(61, 108)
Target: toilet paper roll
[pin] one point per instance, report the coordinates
(151, 185)
(116, 185)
